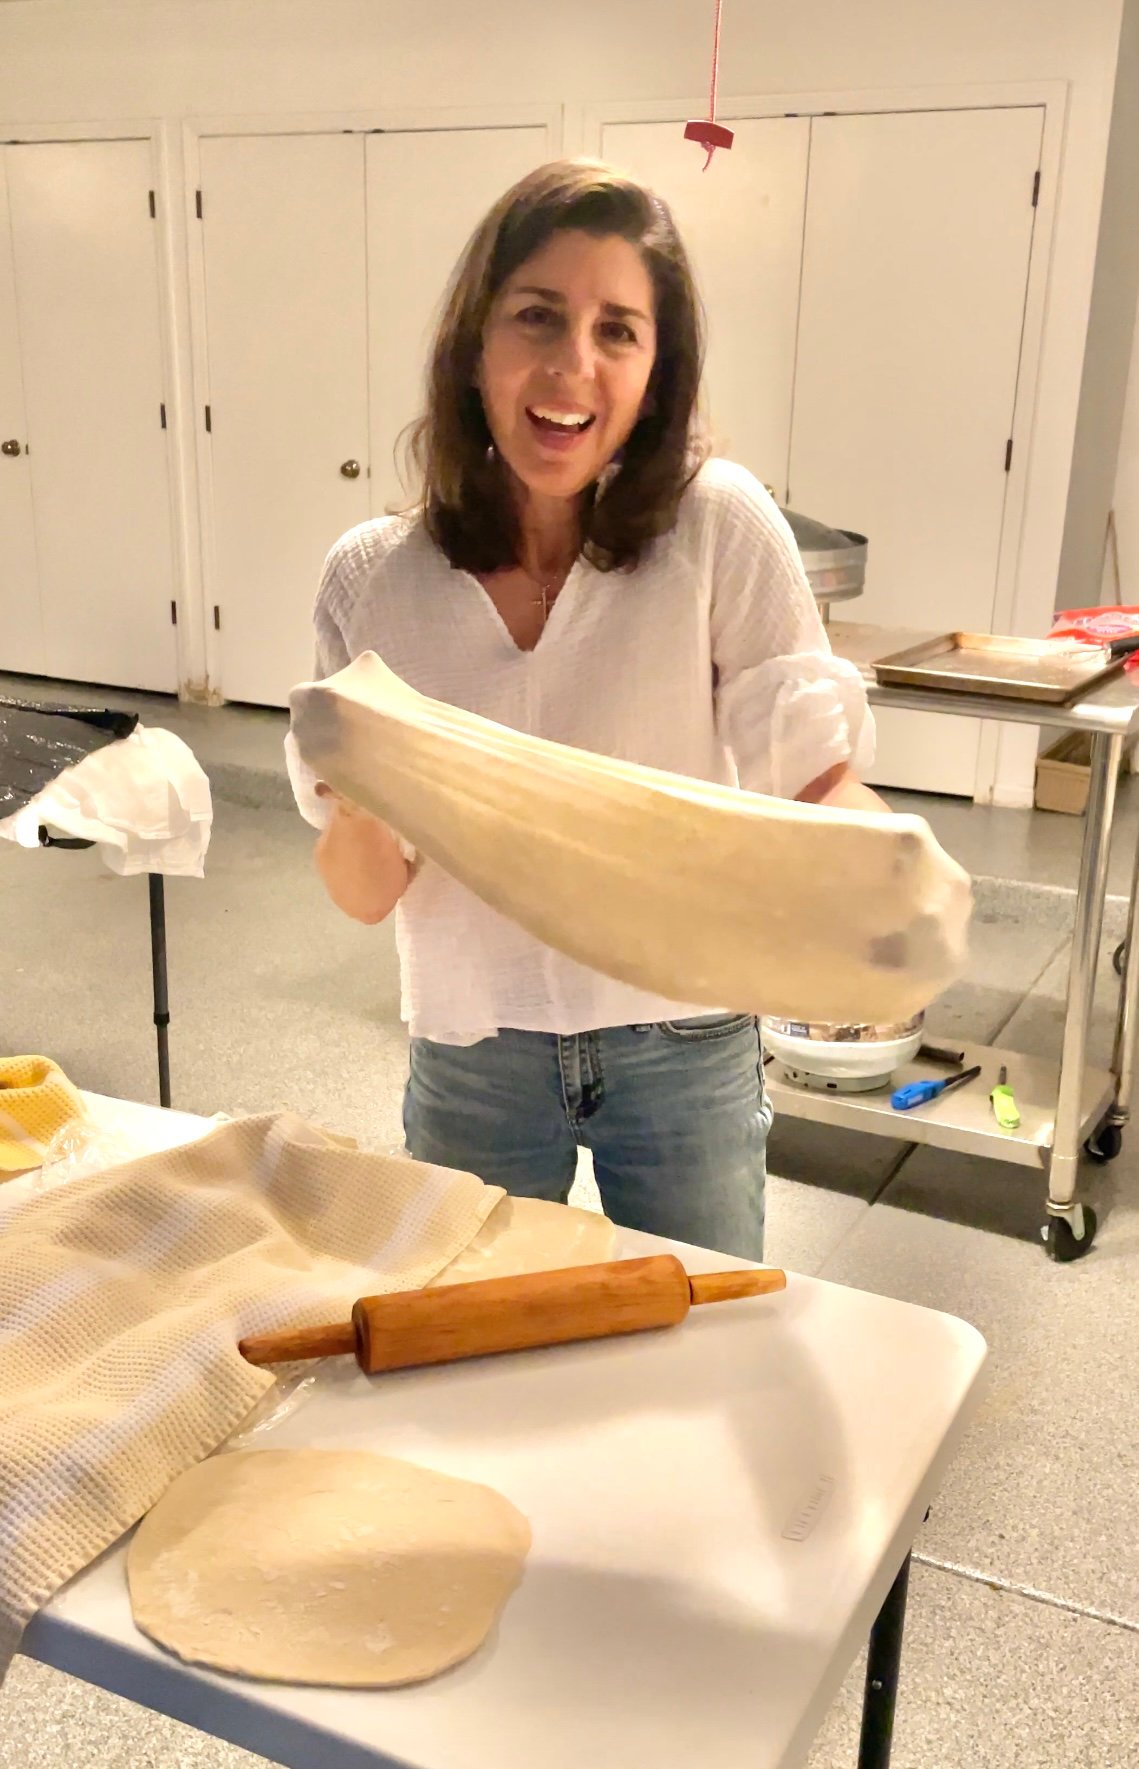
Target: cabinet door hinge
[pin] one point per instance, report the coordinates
(1036, 188)
(162, 413)
(173, 614)
(1008, 454)
(153, 206)
(209, 420)
(217, 618)
(198, 204)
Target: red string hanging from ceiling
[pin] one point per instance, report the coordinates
(706, 130)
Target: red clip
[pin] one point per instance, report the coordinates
(708, 134)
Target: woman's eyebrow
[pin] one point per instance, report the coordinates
(616, 311)
(613, 308)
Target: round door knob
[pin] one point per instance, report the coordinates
(350, 469)
(10, 448)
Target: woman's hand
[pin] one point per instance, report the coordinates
(359, 860)
(842, 789)
(324, 791)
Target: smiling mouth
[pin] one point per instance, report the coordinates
(551, 423)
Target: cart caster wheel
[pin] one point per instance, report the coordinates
(1119, 957)
(1105, 1144)
(1060, 1240)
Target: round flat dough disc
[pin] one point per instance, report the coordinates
(324, 1566)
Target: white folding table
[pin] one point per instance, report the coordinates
(721, 1512)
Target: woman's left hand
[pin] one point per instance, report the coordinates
(842, 789)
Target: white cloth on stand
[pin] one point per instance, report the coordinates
(144, 800)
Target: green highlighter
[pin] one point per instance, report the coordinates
(1004, 1105)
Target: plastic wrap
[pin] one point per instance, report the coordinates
(84, 1146)
(38, 742)
(295, 1384)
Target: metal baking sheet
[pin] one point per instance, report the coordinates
(1012, 669)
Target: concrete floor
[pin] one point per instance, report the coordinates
(1023, 1637)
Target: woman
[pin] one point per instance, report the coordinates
(576, 568)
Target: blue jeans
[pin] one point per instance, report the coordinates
(675, 1116)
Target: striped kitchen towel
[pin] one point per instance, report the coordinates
(36, 1100)
(123, 1296)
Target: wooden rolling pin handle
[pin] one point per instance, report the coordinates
(301, 1342)
(732, 1286)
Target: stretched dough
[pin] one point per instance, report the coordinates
(699, 893)
(324, 1566)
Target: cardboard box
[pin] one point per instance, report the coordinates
(1063, 775)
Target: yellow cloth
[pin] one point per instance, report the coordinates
(36, 1100)
(123, 1296)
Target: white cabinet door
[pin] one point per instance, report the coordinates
(88, 321)
(326, 258)
(22, 646)
(283, 243)
(742, 222)
(918, 234)
(427, 192)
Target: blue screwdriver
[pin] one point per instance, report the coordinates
(917, 1093)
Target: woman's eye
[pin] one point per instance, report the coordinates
(615, 331)
(537, 316)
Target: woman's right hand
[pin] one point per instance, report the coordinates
(359, 860)
(338, 800)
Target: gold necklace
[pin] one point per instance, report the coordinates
(545, 590)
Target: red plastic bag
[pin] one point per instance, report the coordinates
(1098, 626)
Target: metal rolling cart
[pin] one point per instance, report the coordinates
(1064, 1106)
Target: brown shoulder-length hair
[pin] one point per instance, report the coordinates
(464, 498)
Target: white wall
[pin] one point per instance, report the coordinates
(1127, 489)
(1111, 325)
(74, 61)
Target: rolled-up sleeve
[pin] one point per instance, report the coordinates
(786, 707)
(331, 655)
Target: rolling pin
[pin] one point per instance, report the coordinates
(440, 1326)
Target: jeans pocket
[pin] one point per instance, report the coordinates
(707, 1026)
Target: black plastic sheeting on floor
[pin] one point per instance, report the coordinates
(38, 742)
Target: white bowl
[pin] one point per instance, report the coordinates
(843, 1053)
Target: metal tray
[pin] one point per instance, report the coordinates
(1043, 670)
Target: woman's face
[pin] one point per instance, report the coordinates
(567, 353)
